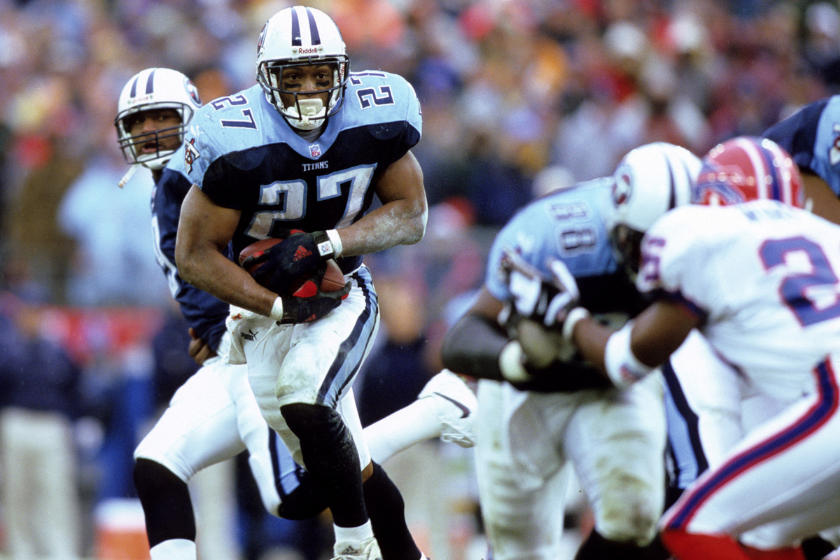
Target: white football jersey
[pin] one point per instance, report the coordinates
(762, 276)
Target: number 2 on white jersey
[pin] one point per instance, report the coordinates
(800, 288)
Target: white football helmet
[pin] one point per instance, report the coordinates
(301, 36)
(648, 181)
(151, 89)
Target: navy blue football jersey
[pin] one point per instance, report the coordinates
(812, 137)
(203, 312)
(243, 155)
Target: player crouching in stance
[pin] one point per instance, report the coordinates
(759, 280)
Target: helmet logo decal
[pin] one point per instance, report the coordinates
(261, 40)
(192, 91)
(190, 154)
(834, 151)
(621, 188)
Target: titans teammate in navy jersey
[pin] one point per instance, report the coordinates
(812, 137)
(307, 149)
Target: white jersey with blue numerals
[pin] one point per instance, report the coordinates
(763, 279)
(812, 137)
(243, 155)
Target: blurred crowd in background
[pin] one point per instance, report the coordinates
(519, 97)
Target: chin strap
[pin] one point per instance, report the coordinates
(128, 175)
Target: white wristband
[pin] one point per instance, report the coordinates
(622, 366)
(277, 309)
(510, 363)
(335, 239)
(572, 318)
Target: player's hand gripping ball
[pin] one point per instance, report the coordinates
(297, 256)
(306, 297)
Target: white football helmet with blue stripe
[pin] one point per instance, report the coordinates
(648, 181)
(302, 36)
(153, 89)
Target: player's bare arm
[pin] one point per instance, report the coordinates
(473, 344)
(654, 335)
(204, 231)
(401, 220)
(823, 201)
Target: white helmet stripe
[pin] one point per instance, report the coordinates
(758, 165)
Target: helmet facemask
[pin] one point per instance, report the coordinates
(304, 110)
(131, 144)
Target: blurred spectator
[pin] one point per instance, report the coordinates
(40, 388)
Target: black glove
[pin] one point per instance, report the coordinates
(307, 309)
(297, 256)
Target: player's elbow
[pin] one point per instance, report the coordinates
(415, 226)
(186, 260)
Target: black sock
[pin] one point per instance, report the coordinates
(386, 509)
(330, 456)
(166, 503)
(596, 547)
(816, 548)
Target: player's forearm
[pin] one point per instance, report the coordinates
(212, 272)
(396, 223)
(472, 347)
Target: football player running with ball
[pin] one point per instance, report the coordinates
(307, 149)
(214, 415)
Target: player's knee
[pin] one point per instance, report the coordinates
(152, 478)
(314, 421)
(629, 517)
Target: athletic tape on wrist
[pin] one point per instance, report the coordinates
(510, 363)
(622, 366)
(572, 319)
(277, 309)
(335, 239)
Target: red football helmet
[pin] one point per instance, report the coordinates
(748, 168)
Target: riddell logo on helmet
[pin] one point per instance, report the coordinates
(307, 50)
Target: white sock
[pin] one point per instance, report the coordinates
(353, 534)
(174, 549)
(407, 426)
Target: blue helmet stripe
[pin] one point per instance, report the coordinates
(672, 197)
(313, 28)
(134, 87)
(296, 41)
(150, 82)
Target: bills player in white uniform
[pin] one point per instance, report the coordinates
(214, 415)
(541, 421)
(307, 149)
(758, 281)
